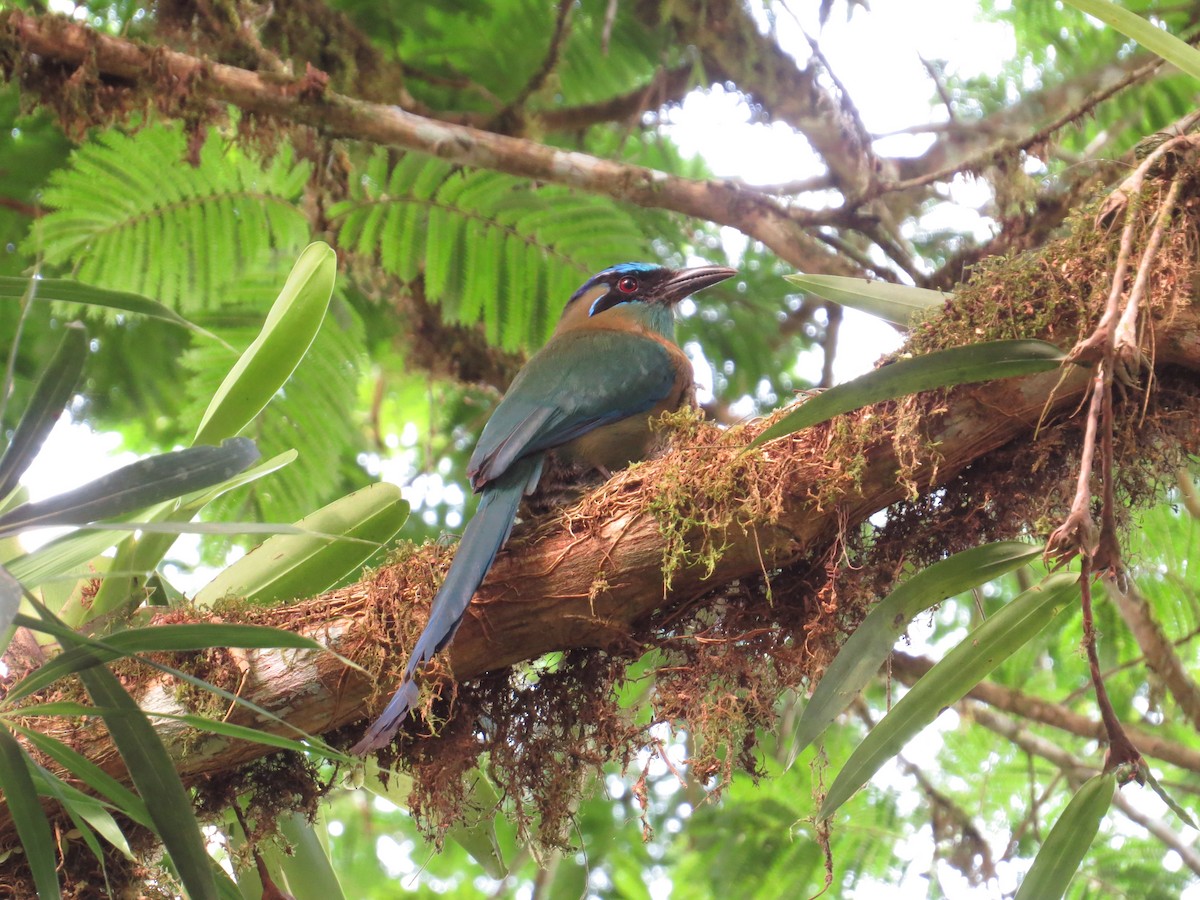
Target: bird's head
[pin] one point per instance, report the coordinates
(642, 289)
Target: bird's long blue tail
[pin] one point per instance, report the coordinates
(485, 534)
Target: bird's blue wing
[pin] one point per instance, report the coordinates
(579, 381)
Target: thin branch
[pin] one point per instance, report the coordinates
(666, 86)
(549, 61)
(909, 668)
(1157, 650)
(1012, 148)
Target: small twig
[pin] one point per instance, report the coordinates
(935, 75)
(1158, 651)
(1009, 148)
(1107, 557)
(869, 165)
(833, 312)
(549, 61)
(610, 18)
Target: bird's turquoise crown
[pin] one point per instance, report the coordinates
(625, 268)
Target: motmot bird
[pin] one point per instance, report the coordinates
(589, 395)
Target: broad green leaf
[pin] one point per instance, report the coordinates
(137, 485)
(307, 870)
(1159, 42)
(1068, 841)
(51, 394)
(157, 639)
(67, 290)
(156, 780)
(33, 828)
(895, 303)
(62, 557)
(868, 647)
(285, 567)
(945, 368)
(949, 681)
(288, 332)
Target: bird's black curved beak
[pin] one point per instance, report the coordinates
(686, 282)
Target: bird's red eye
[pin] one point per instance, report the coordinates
(628, 285)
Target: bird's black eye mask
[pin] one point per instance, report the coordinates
(626, 289)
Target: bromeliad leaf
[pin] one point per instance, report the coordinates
(949, 681)
(52, 393)
(945, 368)
(137, 485)
(1069, 840)
(899, 304)
(869, 645)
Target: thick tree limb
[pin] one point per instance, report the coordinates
(581, 581)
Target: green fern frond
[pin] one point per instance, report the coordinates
(491, 247)
(129, 213)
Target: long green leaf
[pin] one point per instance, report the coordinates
(67, 290)
(80, 806)
(310, 876)
(1153, 38)
(899, 304)
(143, 483)
(303, 565)
(945, 368)
(1068, 841)
(868, 647)
(130, 804)
(136, 557)
(50, 397)
(67, 637)
(157, 639)
(288, 332)
(947, 682)
(10, 599)
(49, 786)
(154, 776)
(33, 828)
